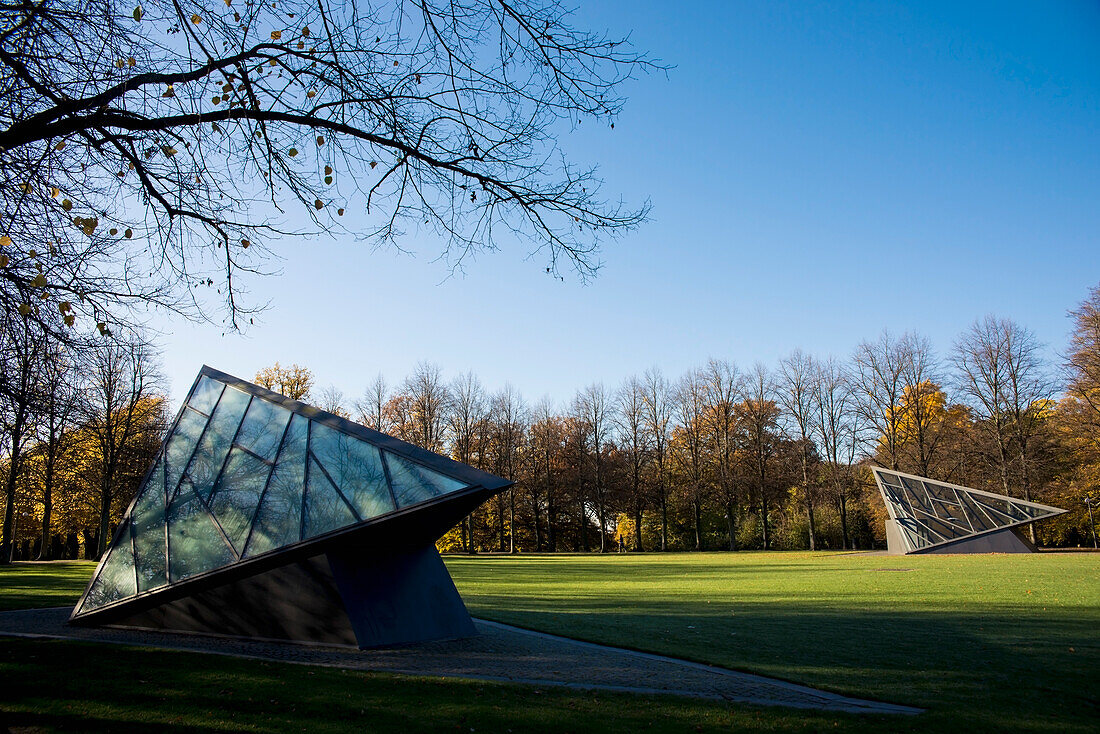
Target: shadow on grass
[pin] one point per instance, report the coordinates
(64, 686)
(1006, 668)
(37, 585)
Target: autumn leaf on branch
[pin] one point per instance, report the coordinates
(443, 115)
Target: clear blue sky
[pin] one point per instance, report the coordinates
(818, 172)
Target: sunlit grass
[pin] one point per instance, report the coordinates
(35, 585)
(985, 643)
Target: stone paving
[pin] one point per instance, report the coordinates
(499, 653)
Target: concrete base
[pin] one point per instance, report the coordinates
(1008, 540)
(894, 544)
(338, 597)
(1005, 540)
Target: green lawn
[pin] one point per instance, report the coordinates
(55, 584)
(985, 643)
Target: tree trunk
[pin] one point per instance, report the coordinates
(551, 528)
(731, 523)
(764, 521)
(761, 477)
(7, 545)
(664, 512)
(105, 508)
(810, 518)
(842, 506)
(512, 520)
(1025, 475)
(584, 528)
(638, 530)
(551, 533)
(15, 462)
(603, 523)
(809, 502)
(696, 511)
(1003, 467)
(47, 511)
(538, 523)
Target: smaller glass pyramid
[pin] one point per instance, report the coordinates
(929, 513)
(246, 472)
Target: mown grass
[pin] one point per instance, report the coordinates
(985, 643)
(38, 585)
(65, 686)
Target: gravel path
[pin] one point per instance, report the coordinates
(499, 653)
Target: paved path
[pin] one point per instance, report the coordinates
(499, 653)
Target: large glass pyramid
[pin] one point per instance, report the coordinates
(928, 514)
(246, 474)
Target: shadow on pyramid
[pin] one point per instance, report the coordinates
(928, 516)
(265, 517)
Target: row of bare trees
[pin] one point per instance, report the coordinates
(79, 423)
(717, 458)
(766, 457)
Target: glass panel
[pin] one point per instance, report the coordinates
(941, 493)
(915, 536)
(891, 478)
(262, 428)
(414, 483)
(1006, 513)
(979, 519)
(942, 530)
(917, 495)
(194, 543)
(116, 578)
(356, 467)
(216, 442)
(325, 509)
(148, 529)
(238, 495)
(1025, 511)
(206, 395)
(278, 521)
(181, 443)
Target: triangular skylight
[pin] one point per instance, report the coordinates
(929, 513)
(245, 472)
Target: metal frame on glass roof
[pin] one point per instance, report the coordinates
(248, 480)
(927, 514)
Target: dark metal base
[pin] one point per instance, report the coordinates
(339, 597)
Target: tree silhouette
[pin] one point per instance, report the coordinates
(149, 151)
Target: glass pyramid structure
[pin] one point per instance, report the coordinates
(249, 478)
(931, 516)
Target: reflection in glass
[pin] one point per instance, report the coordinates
(148, 529)
(356, 467)
(116, 577)
(182, 443)
(325, 509)
(240, 476)
(414, 483)
(237, 495)
(206, 395)
(214, 447)
(279, 517)
(194, 543)
(1006, 509)
(262, 428)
